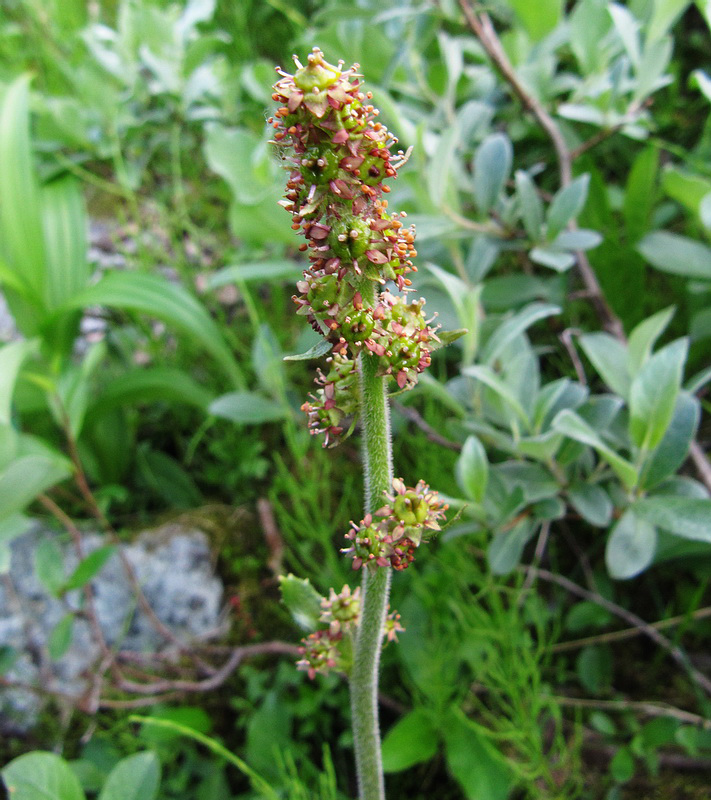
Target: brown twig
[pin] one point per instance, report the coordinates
(434, 436)
(630, 633)
(632, 619)
(649, 709)
(567, 339)
(272, 535)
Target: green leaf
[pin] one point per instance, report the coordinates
(594, 668)
(89, 567)
(60, 640)
(489, 378)
(264, 272)
(214, 746)
(622, 767)
(510, 329)
(150, 384)
(640, 193)
(472, 469)
(20, 209)
(28, 476)
(688, 517)
(540, 18)
(154, 295)
(575, 427)
(246, 408)
(566, 205)
(136, 777)
(609, 357)
(653, 394)
(49, 566)
(630, 547)
(474, 761)
(439, 173)
(676, 254)
(592, 502)
(492, 165)
(666, 12)
(267, 362)
(506, 548)
(687, 188)
(41, 776)
(302, 600)
(412, 740)
(318, 350)
(644, 336)
(553, 258)
(12, 357)
(65, 231)
(580, 239)
(674, 447)
(530, 205)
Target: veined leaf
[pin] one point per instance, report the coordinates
(653, 394)
(20, 208)
(489, 378)
(302, 600)
(154, 295)
(631, 546)
(575, 427)
(688, 517)
(41, 776)
(511, 328)
(644, 336)
(609, 357)
(11, 358)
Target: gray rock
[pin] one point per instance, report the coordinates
(173, 566)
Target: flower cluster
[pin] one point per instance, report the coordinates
(336, 401)
(331, 648)
(410, 516)
(339, 155)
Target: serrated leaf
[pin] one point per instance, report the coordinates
(492, 165)
(302, 600)
(630, 547)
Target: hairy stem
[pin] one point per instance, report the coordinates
(377, 464)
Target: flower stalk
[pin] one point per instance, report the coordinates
(339, 155)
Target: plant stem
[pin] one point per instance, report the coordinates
(377, 464)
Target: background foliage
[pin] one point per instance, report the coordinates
(562, 198)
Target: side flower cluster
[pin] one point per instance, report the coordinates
(339, 155)
(391, 536)
(331, 647)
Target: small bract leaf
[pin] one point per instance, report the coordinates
(302, 600)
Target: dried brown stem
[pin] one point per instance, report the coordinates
(648, 709)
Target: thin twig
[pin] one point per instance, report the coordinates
(630, 633)
(649, 709)
(632, 619)
(434, 436)
(537, 557)
(272, 535)
(567, 339)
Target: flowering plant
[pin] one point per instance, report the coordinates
(355, 293)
